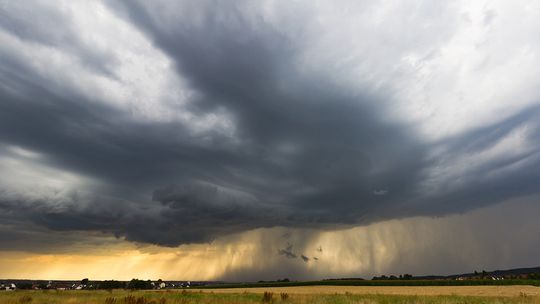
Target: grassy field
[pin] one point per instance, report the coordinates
(489, 291)
(311, 294)
(380, 283)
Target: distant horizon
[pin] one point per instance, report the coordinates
(291, 279)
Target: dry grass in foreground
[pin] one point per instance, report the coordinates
(272, 295)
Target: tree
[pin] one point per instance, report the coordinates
(139, 284)
(25, 285)
(42, 286)
(84, 281)
(109, 285)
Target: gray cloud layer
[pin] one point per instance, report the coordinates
(306, 151)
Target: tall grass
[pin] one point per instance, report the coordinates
(175, 297)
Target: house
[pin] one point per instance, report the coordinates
(62, 286)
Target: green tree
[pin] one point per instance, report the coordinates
(139, 284)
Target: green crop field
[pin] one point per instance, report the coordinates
(382, 283)
(185, 297)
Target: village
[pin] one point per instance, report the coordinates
(85, 284)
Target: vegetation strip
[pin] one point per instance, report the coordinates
(189, 297)
(378, 283)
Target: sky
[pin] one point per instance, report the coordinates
(260, 140)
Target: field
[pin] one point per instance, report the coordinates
(353, 282)
(292, 295)
(490, 291)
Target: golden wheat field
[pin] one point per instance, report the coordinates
(489, 291)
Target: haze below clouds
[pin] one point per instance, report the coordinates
(259, 140)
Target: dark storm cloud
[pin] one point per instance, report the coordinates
(339, 148)
(305, 152)
(508, 175)
(288, 252)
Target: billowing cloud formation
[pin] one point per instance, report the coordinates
(496, 237)
(176, 122)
